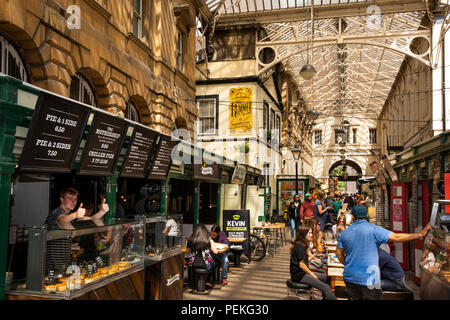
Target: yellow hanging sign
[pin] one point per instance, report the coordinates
(240, 114)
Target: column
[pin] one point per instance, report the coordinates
(10, 116)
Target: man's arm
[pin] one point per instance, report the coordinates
(340, 254)
(103, 209)
(405, 237)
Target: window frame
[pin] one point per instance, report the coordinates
(139, 19)
(7, 49)
(266, 115)
(371, 136)
(180, 48)
(83, 83)
(128, 113)
(354, 133)
(214, 97)
(315, 137)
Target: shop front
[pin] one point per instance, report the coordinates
(59, 143)
(286, 190)
(50, 143)
(420, 172)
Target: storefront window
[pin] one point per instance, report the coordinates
(287, 193)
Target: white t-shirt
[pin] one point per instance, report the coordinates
(174, 230)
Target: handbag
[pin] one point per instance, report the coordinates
(316, 263)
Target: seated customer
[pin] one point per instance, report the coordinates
(299, 260)
(391, 273)
(220, 237)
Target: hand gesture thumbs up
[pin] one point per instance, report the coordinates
(103, 206)
(81, 211)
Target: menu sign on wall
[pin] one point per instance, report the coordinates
(163, 159)
(54, 135)
(136, 161)
(103, 145)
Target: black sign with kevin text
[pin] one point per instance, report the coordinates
(54, 135)
(138, 155)
(103, 145)
(236, 224)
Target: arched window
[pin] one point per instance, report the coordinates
(10, 61)
(81, 90)
(132, 112)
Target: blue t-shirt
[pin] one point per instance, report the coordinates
(361, 241)
(390, 269)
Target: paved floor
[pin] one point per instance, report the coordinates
(265, 280)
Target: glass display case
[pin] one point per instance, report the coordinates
(163, 236)
(84, 255)
(434, 262)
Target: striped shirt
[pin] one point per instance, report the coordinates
(58, 252)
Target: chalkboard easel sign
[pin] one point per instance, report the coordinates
(54, 134)
(236, 224)
(139, 151)
(103, 145)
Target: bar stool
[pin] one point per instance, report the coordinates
(271, 242)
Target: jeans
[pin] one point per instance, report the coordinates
(396, 285)
(320, 284)
(223, 260)
(359, 292)
(292, 228)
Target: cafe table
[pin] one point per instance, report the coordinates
(330, 246)
(335, 272)
(274, 233)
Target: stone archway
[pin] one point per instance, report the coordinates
(347, 163)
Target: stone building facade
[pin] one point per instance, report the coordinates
(139, 53)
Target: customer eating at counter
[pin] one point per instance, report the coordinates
(357, 250)
(219, 236)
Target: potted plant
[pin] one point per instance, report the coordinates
(244, 148)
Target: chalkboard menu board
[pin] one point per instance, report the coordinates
(103, 145)
(163, 158)
(138, 156)
(54, 135)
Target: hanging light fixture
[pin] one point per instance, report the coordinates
(308, 71)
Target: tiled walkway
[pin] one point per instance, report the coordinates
(263, 280)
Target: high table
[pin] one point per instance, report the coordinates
(275, 232)
(335, 272)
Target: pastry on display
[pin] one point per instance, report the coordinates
(103, 271)
(123, 265)
(50, 287)
(61, 287)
